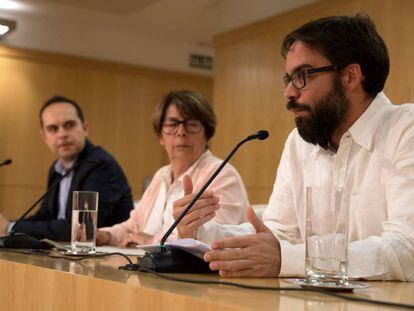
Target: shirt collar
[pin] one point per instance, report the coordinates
(365, 127)
(190, 171)
(59, 168)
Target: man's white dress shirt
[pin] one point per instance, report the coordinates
(375, 164)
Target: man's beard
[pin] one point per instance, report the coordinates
(324, 119)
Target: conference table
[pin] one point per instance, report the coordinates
(37, 282)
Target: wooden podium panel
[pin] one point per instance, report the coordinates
(31, 282)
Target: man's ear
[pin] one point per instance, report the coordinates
(85, 127)
(352, 76)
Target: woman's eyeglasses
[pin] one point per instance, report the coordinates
(191, 126)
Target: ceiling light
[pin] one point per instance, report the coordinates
(10, 5)
(3, 29)
(6, 26)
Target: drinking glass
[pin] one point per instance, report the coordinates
(84, 221)
(326, 236)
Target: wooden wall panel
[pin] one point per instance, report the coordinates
(117, 100)
(248, 87)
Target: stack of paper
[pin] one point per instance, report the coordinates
(192, 246)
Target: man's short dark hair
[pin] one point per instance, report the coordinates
(346, 40)
(64, 100)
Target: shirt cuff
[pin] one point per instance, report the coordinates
(207, 232)
(10, 226)
(293, 259)
(212, 231)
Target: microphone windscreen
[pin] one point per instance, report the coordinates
(262, 134)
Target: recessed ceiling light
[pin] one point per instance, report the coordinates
(10, 5)
(4, 29)
(6, 26)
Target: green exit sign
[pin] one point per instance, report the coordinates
(201, 61)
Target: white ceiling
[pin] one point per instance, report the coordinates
(119, 7)
(151, 33)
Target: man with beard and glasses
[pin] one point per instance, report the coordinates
(348, 134)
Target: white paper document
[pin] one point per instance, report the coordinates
(192, 246)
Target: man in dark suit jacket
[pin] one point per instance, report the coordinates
(64, 131)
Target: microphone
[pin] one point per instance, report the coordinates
(22, 240)
(260, 135)
(171, 260)
(6, 162)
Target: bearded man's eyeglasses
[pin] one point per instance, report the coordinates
(298, 78)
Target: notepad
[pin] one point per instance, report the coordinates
(192, 246)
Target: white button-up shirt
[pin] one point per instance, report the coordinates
(169, 192)
(64, 187)
(375, 165)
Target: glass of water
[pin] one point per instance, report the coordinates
(326, 236)
(84, 221)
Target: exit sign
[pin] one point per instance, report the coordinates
(201, 61)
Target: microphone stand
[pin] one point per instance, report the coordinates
(172, 260)
(6, 162)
